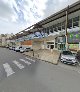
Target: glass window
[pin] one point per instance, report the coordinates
(55, 28)
(63, 25)
(51, 29)
(76, 19)
(59, 26)
(75, 24)
(44, 30)
(47, 46)
(52, 46)
(69, 23)
(47, 30)
(55, 45)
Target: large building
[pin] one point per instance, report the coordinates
(4, 39)
(51, 32)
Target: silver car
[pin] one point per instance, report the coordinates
(68, 58)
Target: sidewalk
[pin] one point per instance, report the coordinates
(45, 55)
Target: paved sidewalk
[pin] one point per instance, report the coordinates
(45, 55)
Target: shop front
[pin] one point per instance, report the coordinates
(61, 43)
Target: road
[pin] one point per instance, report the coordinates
(20, 73)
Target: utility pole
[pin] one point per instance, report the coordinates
(66, 34)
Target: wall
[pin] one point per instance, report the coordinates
(27, 43)
(37, 45)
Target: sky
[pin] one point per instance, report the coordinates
(16, 15)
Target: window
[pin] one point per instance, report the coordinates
(76, 22)
(51, 29)
(76, 19)
(50, 42)
(44, 30)
(59, 26)
(70, 23)
(63, 25)
(52, 46)
(47, 30)
(55, 45)
(55, 28)
(47, 46)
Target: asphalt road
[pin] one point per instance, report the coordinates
(19, 73)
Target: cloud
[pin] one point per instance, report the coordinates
(16, 15)
(53, 6)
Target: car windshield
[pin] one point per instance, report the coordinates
(67, 53)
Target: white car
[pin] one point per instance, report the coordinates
(23, 49)
(67, 57)
(17, 49)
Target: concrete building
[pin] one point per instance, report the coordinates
(4, 39)
(50, 33)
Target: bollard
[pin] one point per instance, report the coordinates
(38, 55)
(33, 53)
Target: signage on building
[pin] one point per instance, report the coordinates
(74, 37)
(61, 39)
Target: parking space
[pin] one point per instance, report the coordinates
(70, 67)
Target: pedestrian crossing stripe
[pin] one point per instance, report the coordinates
(30, 59)
(25, 61)
(18, 64)
(8, 69)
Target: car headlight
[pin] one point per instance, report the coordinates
(74, 60)
(63, 58)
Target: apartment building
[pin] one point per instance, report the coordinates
(4, 39)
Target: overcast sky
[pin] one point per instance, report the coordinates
(16, 15)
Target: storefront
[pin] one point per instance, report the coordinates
(61, 43)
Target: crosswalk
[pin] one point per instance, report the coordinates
(25, 61)
(8, 67)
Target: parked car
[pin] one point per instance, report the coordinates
(68, 58)
(23, 49)
(13, 48)
(28, 49)
(7, 46)
(17, 49)
(10, 48)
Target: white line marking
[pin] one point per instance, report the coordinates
(25, 61)
(8, 69)
(30, 59)
(18, 64)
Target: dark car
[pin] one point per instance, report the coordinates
(68, 58)
(78, 56)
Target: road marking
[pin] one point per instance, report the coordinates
(25, 61)
(18, 64)
(30, 59)
(8, 69)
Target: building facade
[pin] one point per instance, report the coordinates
(4, 39)
(52, 34)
